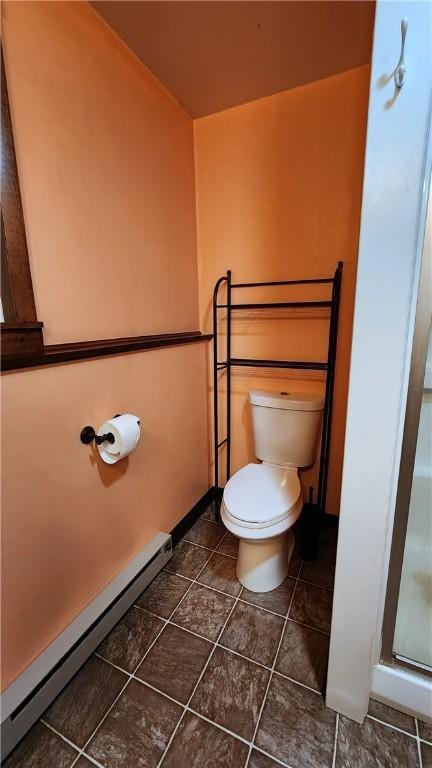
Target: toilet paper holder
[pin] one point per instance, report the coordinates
(88, 434)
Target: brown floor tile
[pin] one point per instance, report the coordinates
(212, 513)
(130, 639)
(163, 594)
(373, 744)
(41, 748)
(220, 573)
(392, 716)
(175, 662)
(203, 611)
(83, 763)
(296, 727)
(278, 600)
(253, 633)
(137, 730)
(205, 533)
(187, 560)
(198, 744)
(258, 760)
(82, 704)
(231, 692)
(321, 571)
(425, 731)
(312, 605)
(229, 545)
(303, 655)
(426, 753)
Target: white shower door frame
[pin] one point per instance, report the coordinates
(397, 172)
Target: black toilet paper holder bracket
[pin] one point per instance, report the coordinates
(88, 434)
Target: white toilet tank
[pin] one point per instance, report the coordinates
(285, 426)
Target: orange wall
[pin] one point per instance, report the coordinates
(105, 157)
(107, 175)
(278, 197)
(106, 160)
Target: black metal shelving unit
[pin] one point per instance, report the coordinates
(232, 362)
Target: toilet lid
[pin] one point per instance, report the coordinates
(260, 493)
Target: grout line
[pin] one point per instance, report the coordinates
(179, 703)
(225, 554)
(297, 682)
(206, 549)
(157, 690)
(172, 573)
(284, 616)
(219, 645)
(214, 589)
(244, 600)
(99, 724)
(215, 522)
(54, 730)
(267, 754)
(91, 760)
(201, 673)
(173, 623)
(335, 740)
(390, 725)
(217, 725)
(272, 670)
(242, 656)
(172, 737)
(216, 643)
(131, 675)
(71, 743)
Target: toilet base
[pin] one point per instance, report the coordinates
(263, 564)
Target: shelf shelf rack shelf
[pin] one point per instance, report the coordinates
(230, 362)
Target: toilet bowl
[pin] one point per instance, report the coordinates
(261, 502)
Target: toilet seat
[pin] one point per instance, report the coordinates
(261, 495)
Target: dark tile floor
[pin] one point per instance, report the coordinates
(201, 673)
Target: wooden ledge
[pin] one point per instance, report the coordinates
(53, 354)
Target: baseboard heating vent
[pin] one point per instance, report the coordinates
(34, 690)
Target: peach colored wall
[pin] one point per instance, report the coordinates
(278, 196)
(106, 163)
(70, 523)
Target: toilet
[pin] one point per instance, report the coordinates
(261, 502)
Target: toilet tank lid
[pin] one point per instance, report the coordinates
(287, 400)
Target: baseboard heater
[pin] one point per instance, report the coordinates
(34, 690)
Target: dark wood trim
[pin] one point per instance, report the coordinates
(53, 354)
(20, 343)
(14, 243)
(192, 516)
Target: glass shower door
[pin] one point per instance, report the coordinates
(413, 631)
(407, 628)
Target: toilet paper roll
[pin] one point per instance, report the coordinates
(126, 431)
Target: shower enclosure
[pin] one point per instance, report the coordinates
(407, 629)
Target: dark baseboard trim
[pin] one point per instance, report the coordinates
(192, 516)
(212, 495)
(53, 354)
